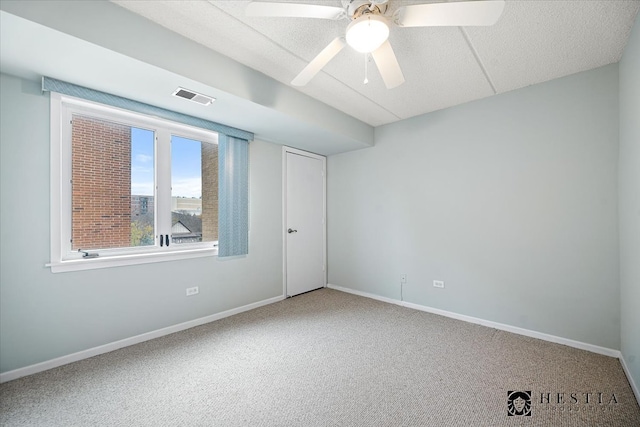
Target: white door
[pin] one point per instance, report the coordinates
(304, 221)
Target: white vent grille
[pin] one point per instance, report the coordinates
(193, 96)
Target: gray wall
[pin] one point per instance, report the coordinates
(45, 315)
(629, 211)
(511, 200)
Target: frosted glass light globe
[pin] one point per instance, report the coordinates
(367, 33)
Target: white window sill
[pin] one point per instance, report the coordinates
(133, 259)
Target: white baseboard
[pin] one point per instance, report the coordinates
(85, 354)
(627, 371)
(501, 326)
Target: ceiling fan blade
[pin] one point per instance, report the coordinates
(388, 65)
(294, 10)
(319, 62)
(457, 14)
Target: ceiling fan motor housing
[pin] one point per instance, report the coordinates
(357, 8)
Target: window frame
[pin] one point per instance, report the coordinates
(63, 259)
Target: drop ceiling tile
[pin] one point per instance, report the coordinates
(439, 70)
(536, 41)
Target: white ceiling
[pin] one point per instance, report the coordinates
(533, 42)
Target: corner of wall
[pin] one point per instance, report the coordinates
(628, 208)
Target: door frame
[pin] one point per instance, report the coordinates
(289, 150)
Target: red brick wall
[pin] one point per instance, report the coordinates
(101, 184)
(209, 192)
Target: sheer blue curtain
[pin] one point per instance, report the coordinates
(233, 196)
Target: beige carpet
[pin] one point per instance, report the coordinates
(329, 359)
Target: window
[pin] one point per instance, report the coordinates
(129, 188)
(194, 191)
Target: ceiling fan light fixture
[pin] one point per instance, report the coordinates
(367, 33)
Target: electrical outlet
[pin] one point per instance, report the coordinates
(438, 284)
(192, 291)
(403, 278)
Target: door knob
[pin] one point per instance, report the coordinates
(291, 231)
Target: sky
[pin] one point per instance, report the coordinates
(186, 174)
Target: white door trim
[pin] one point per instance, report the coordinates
(323, 159)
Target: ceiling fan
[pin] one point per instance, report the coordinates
(368, 30)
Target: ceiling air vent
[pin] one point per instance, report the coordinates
(193, 96)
